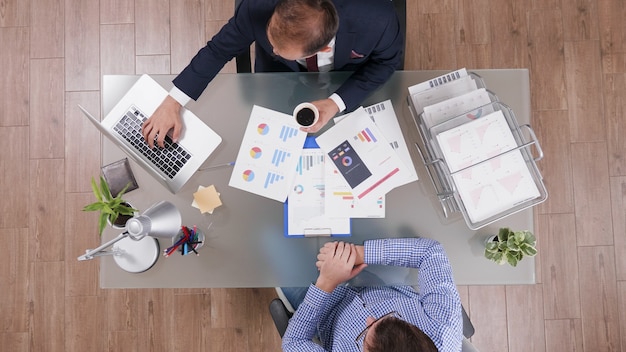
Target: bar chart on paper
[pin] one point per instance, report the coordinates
(308, 162)
(365, 136)
(279, 157)
(272, 178)
(287, 132)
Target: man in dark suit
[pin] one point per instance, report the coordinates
(363, 36)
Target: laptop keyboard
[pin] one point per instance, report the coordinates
(169, 159)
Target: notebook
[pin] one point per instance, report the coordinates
(172, 165)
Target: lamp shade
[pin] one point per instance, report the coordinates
(160, 220)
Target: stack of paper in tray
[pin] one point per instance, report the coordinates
(475, 140)
(348, 172)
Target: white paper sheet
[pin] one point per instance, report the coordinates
(444, 92)
(384, 116)
(453, 107)
(306, 206)
(363, 156)
(341, 202)
(269, 152)
(438, 81)
(495, 185)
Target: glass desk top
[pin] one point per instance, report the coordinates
(245, 245)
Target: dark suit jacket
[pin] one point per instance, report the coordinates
(368, 42)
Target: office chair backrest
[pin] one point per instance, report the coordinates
(400, 6)
(243, 61)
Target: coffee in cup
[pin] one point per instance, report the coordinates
(306, 114)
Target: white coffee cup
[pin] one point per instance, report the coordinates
(306, 114)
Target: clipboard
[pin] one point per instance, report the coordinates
(313, 231)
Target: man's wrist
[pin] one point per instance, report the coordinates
(360, 255)
(179, 96)
(325, 285)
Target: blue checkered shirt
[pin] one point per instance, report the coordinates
(337, 318)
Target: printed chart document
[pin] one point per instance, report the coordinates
(386, 120)
(470, 105)
(339, 197)
(440, 89)
(363, 156)
(341, 202)
(438, 81)
(488, 180)
(306, 214)
(270, 150)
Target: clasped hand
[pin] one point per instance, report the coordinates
(338, 262)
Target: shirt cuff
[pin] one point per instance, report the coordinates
(373, 252)
(316, 295)
(337, 99)
(179, 96)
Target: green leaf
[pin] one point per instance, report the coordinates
(491, 246)
(96, 190)
(124, 210)
(121, 193)
(106, 209)
(531, 239)
(113, 216)
(503, 234)
(512, 244)
(106, 192)
(102, 222)
(94, 207)
(114, 203)
(512, 260)
(529, 250)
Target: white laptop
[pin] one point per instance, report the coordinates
(172, 165)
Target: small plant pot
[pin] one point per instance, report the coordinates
(492, 238)
(120, 222)
(510, 247)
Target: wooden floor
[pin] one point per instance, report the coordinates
(53, 54)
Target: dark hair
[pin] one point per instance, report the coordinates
(310, 23)
(396, 335)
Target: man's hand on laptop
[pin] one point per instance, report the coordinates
(165, 118)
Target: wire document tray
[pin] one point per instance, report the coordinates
(479, 160)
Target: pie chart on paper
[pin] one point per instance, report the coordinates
(248, 175)
(263, 129)
(256, 152)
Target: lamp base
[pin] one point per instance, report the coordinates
(136, 256)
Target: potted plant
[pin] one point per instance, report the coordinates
(113, 209)
(510, 246)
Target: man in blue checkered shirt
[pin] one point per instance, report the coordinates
(381, 318)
